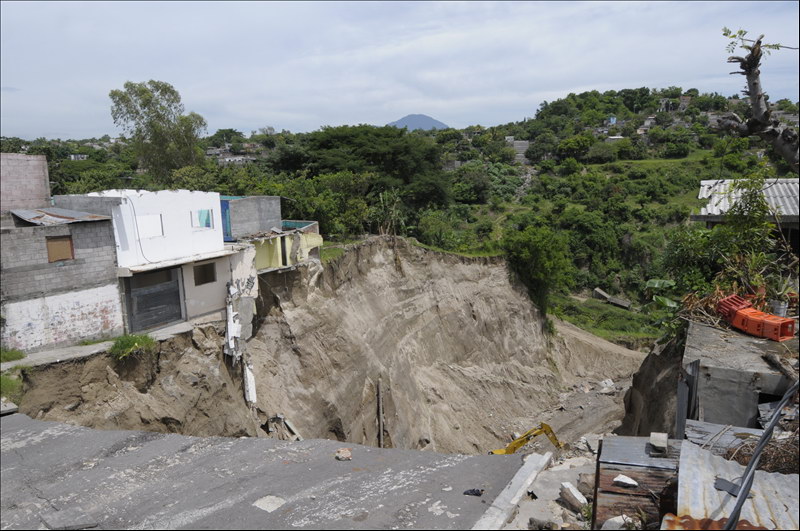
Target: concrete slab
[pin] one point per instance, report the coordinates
(46, 357)
(143, 480)
(546, 487)
(506, 503)
(7, 407)
(733, 376)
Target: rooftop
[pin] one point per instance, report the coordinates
(781, 194)
(56, 216)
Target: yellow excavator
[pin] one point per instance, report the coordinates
(526, 437)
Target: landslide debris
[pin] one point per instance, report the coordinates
(459, 350)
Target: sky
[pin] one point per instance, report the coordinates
(303, 65)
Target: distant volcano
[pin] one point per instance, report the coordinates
(419, 121)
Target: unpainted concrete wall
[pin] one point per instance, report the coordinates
(209, 297)
(85, 203)
(254, 215)
(63, 319)
(26, 272)
(24, 181)
(238, 268)
(730, 396)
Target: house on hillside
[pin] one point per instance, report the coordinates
(58, 268)
(782, 195)
(173, 264)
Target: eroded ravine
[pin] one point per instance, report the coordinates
(457, 345)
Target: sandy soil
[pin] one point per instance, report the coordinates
(457, 345)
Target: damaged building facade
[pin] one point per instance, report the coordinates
(172, 262)
(94, 266)
(279, 243)
(58, 266)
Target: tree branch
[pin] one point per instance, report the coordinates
(782, 138)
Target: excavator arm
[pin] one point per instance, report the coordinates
(526, 437)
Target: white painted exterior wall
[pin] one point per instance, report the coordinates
(63, 319)
(138, 238)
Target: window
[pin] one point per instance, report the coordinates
(59, 248)
(203, 219)
(205, 274)
(149, 226)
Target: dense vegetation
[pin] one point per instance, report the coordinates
(590, 211)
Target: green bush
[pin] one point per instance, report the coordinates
(10, 388)
(10, 354)
(131, 344)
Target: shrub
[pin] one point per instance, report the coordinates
(10, 388)
(131, 344)
(10, 354)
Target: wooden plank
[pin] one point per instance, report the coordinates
(612, 500)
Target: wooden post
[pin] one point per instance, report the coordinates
(380, 415)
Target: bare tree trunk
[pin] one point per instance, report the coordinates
(782, 138)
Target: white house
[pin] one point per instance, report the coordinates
(172, 260)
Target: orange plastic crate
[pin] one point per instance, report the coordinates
(778, 328)
(762, 324)
(731, 304)
(750, 321)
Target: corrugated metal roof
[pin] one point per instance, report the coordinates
(774, 500)
(781, 194)
(687, 522)
(56, 216)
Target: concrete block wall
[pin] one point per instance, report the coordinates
(24, 181)
(84, 203)
(26, 272)
(63, 319)
(254, 215)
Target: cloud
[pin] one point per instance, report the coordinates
(303, 65)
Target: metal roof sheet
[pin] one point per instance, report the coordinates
(718, 438)
(774, 497)
(781, 194)
(56, 216)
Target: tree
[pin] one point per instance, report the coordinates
(540, 257)
(783, 139)
(225, 136)
(163, 137)
(575, 146)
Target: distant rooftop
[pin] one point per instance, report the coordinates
(781, 195)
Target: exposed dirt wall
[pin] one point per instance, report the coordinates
(185, 388)
(456, 343)
(651, 401)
